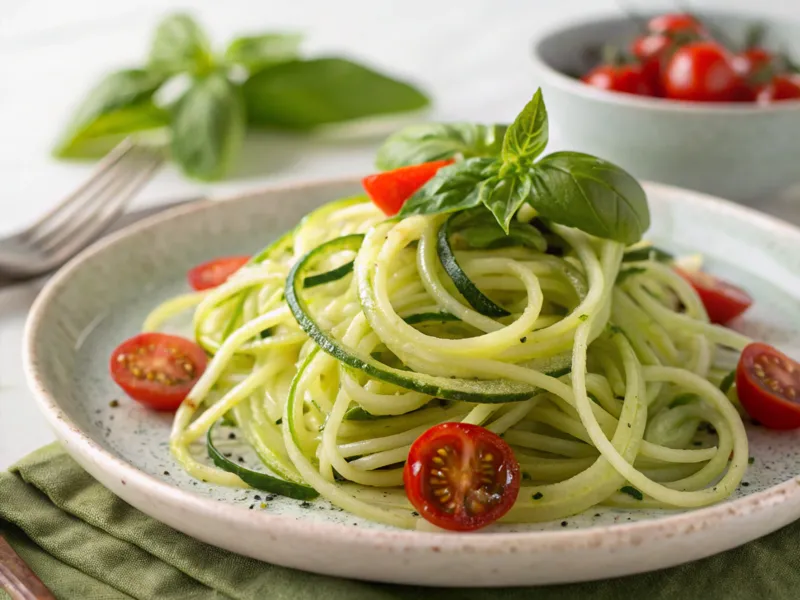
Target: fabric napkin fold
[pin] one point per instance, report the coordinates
(85, 543)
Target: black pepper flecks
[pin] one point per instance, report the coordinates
(166, 473)
(538, 496)
(231, 436)
(269, 497)
(256, 497)
(414, 513)
(523, 339)
(251, 506)
(240, 459)
(564, 523)
(114, 403)
(305, 504)
(228, 454)
(751, 460)
(745, 484)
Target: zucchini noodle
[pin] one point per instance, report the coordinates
(343, 341)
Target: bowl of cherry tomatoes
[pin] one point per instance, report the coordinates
(709, 102)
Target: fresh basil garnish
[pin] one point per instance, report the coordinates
(455, 187)
(477, 228)
(208, 126)
(569, 188)
(438, 141)
(529, 133)
(260, 51)
(503, 196)
(180, 45)
(595, 196)
(303, 94)
(121, 104)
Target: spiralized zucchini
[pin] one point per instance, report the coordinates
(334, 351)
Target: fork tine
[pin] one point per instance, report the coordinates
(62, 225)
(106, 164)
(118, 199)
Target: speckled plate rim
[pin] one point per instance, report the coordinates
(702, 532)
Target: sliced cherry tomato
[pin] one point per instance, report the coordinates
(461, 476)
(651, 51)
(628, 79)
(781, 87)
(674, 23)
(215, 272)
(723, 301)
(703, 72)
(389, 190)
(768, 386)
(157, 369)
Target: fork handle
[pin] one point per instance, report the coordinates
(17, 579)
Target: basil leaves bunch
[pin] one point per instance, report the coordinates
(259, 81)
(503, 173)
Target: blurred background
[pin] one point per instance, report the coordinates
(472, 57)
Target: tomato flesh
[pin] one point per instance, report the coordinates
(215, 272)
(157, 369)
(723, 301)
(461, 476)
(389, 190)
(703, 72)
(768, 386)
(781, 87)
(628, 79)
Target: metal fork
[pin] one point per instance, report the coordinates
(81, 217)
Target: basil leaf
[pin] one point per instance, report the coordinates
(257, 52)
(303, 94)
(727, 382)
(454, 187)
(504, 196)
(208, 125)
(180, 45)
(437, 141)
(591, 194)
(527, 136)
(119, 105)
(478, 228)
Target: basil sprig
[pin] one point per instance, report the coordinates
(437, 141)
(258, 81)
(570, 188)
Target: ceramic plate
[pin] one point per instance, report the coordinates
(102, 297)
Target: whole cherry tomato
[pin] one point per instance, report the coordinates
(703, 72)
(674, 23)
(651, 51)
(628, 79)
(781, 87)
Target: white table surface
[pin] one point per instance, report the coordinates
(471, 55)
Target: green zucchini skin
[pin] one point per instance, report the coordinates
(464, 390)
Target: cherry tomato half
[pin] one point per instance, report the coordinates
(703, 72)
(768, 386)
(461, 476)
(674, 23)
(628, 79)
(389, 190)
(157, 369)
(215, 272)
(781, 87)
(723, 301)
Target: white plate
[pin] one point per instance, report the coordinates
(102, 296)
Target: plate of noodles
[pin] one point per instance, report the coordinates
(482, 365)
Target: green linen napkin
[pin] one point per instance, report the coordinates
(87, 544)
